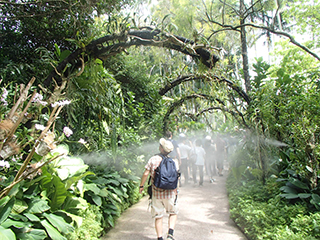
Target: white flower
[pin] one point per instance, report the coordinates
(4, 97)
(4, 164)
(5, 103)
(67, 131)
(38, 98)
(61, 103)
(39, 127)
(43, 103)
(82, 141)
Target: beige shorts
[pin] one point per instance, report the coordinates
(158, 206)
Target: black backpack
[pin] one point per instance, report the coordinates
(166, 174)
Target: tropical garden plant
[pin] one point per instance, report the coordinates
(45, 192)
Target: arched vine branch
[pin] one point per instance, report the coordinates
(113, 44)
(179, 103)
(235, 114)
(182, 79)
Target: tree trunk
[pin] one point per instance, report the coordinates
(244, 49)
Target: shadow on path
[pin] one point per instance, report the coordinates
(204, 215)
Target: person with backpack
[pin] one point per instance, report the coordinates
(164, 172)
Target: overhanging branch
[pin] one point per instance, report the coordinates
(113, 44)
(187, 78)
(281, 33)
(179, 102)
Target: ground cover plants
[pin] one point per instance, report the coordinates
(261, 213)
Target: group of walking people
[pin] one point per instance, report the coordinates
(203, 155)
(190, 157)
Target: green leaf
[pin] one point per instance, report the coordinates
(77, 219)
(60, 193)
(288, 189)
(6, 209)
(62, 173)
(3, 201)
(304, 195)
(289, 195)
(75, 179)
(32, 217)
(92, 187)
(97, 200)
(28, 184)
(72, 165)
(112, 181)
(20, 206)
(58, 222)
(75, 203)
(52, 232)
(17, 224)
(6, 234)
(38, 206)
(18, 217)
(60, 149)
(116, 191)
(104, 192)
(57, 50)
(299, 184)
(98, 61)
(64, 54)
(33, 234)
(316, 199)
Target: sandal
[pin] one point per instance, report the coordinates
(170, 237)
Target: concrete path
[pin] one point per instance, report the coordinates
(204, 215)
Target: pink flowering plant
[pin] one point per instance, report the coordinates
(33, 160)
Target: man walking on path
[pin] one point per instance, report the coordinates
(184, 155)
(175, 153)
(204, 215)
(161, 199)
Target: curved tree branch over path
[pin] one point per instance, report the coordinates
(182, 79)
(210, 109)
(105, 47)
(179, 102)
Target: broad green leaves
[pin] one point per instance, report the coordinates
(6, 205)
(6, 234)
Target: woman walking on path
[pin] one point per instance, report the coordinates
(184, 155)
(199, 164)
(221, 154)
(210, 162)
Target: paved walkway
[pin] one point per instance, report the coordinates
(204, 215)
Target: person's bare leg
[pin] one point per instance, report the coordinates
(158, 226)
(172, 220)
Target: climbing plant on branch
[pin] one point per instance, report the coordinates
(113, 44)
(216, 104)
(206, 77)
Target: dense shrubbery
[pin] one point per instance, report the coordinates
(262, 214)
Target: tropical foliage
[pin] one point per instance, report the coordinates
(75, 137)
